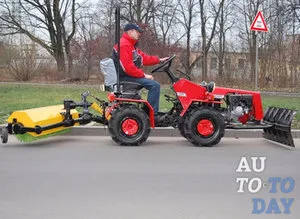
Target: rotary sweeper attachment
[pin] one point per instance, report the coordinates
(280, 120)
(32, 124)
(37, 123)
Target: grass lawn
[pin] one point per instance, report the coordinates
(24, 96)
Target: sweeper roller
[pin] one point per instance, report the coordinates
(39, 122)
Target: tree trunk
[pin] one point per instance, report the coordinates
(60, 63)
(70, 60)
(59, 38)
(139, 11)
(204, 58)
(221, 45)
(188, 52)
(70, 66)
(204, 66)
(207, 39)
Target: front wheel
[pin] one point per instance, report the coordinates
(129, 125)
(205, 127)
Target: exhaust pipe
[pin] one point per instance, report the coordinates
(281, 120)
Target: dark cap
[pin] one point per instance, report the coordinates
(132, 26)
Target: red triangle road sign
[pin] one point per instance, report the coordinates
(259, 23)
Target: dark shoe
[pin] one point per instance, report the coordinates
(159, 119)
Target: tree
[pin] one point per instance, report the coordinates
(50, 23)
(277, 61)
(248, 9)
(2, 53)
(22, 63)
(94, 38)
(225, 24)
(164, 20)
(139, 11)
(207, 37)
(187, 12)
(294, 9)
(103, 18)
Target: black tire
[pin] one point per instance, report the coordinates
(121, 129)
(204, 127)
(181, 126)
(181, 121)
(4, 135)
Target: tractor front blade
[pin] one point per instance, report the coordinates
(281, 120)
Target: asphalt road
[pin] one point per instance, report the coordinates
(91, 178)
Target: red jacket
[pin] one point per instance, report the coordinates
(128, 55)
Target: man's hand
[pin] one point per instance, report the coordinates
(149, 76)
(164, 59)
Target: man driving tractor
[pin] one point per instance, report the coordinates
(131, 61)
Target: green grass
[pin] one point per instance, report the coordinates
(284, 102)
(24, 96)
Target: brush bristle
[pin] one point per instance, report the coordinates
(29, 138)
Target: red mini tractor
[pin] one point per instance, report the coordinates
(201, 112)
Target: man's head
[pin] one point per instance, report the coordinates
(133, 30)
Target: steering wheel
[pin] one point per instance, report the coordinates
(162, 66)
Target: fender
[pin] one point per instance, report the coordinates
(198, 101)
(122, 100)
(189, 92)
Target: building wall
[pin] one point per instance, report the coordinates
(236, 66)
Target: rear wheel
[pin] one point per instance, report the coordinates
(4, 135)
(129, 125)
(204, 127)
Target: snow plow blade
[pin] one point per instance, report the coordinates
(281, 120)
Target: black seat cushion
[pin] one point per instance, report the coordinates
(135, 96)
(129, 90)
(130, 86)
(126, 86)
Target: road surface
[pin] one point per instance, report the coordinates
(92, 178)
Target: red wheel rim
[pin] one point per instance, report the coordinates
(205, 127)
(130, 127)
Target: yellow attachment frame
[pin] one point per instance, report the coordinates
(97, 108)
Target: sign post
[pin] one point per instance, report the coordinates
(257, 25)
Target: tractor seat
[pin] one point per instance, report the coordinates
(129, 86)
(129, 90)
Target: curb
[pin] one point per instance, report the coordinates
(169, 132)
